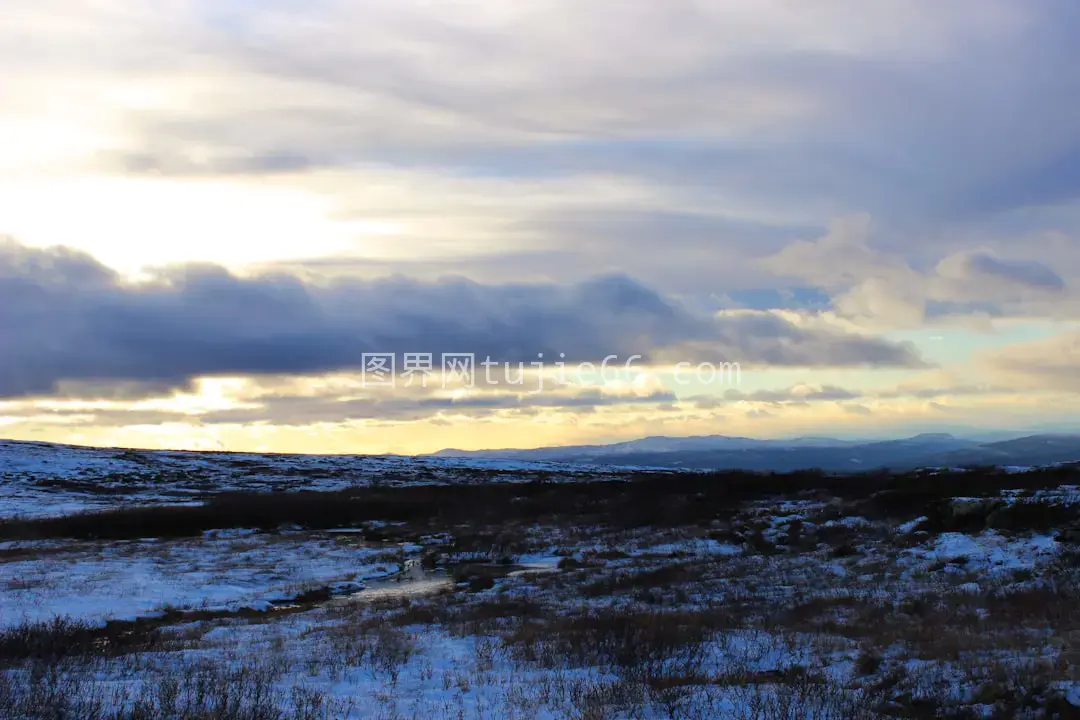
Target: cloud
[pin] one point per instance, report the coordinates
(511, 144)
(776, 108)
(930, 393)
(976, 273)
(838, 259)
(304, 410)
(761, 184)
(309, 409)
(1040, 365)
(797, 394)
(867, 284)
(875, 288)
(66, 317)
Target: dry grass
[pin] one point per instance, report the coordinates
(819, 617)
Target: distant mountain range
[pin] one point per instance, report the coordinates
(720, 452)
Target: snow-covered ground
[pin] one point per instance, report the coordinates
(40, 479)
(988, 552)
(99, 581)
(810, 606)
(73, 461)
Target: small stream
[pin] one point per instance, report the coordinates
(414, 580)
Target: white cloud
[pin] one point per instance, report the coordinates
(876, 289)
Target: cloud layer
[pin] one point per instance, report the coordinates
(67, 317)
(203, 189)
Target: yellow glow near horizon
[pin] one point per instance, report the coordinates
(507, 428)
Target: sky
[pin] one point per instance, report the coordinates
(223, 223)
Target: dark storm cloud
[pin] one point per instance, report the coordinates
(65, 317)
